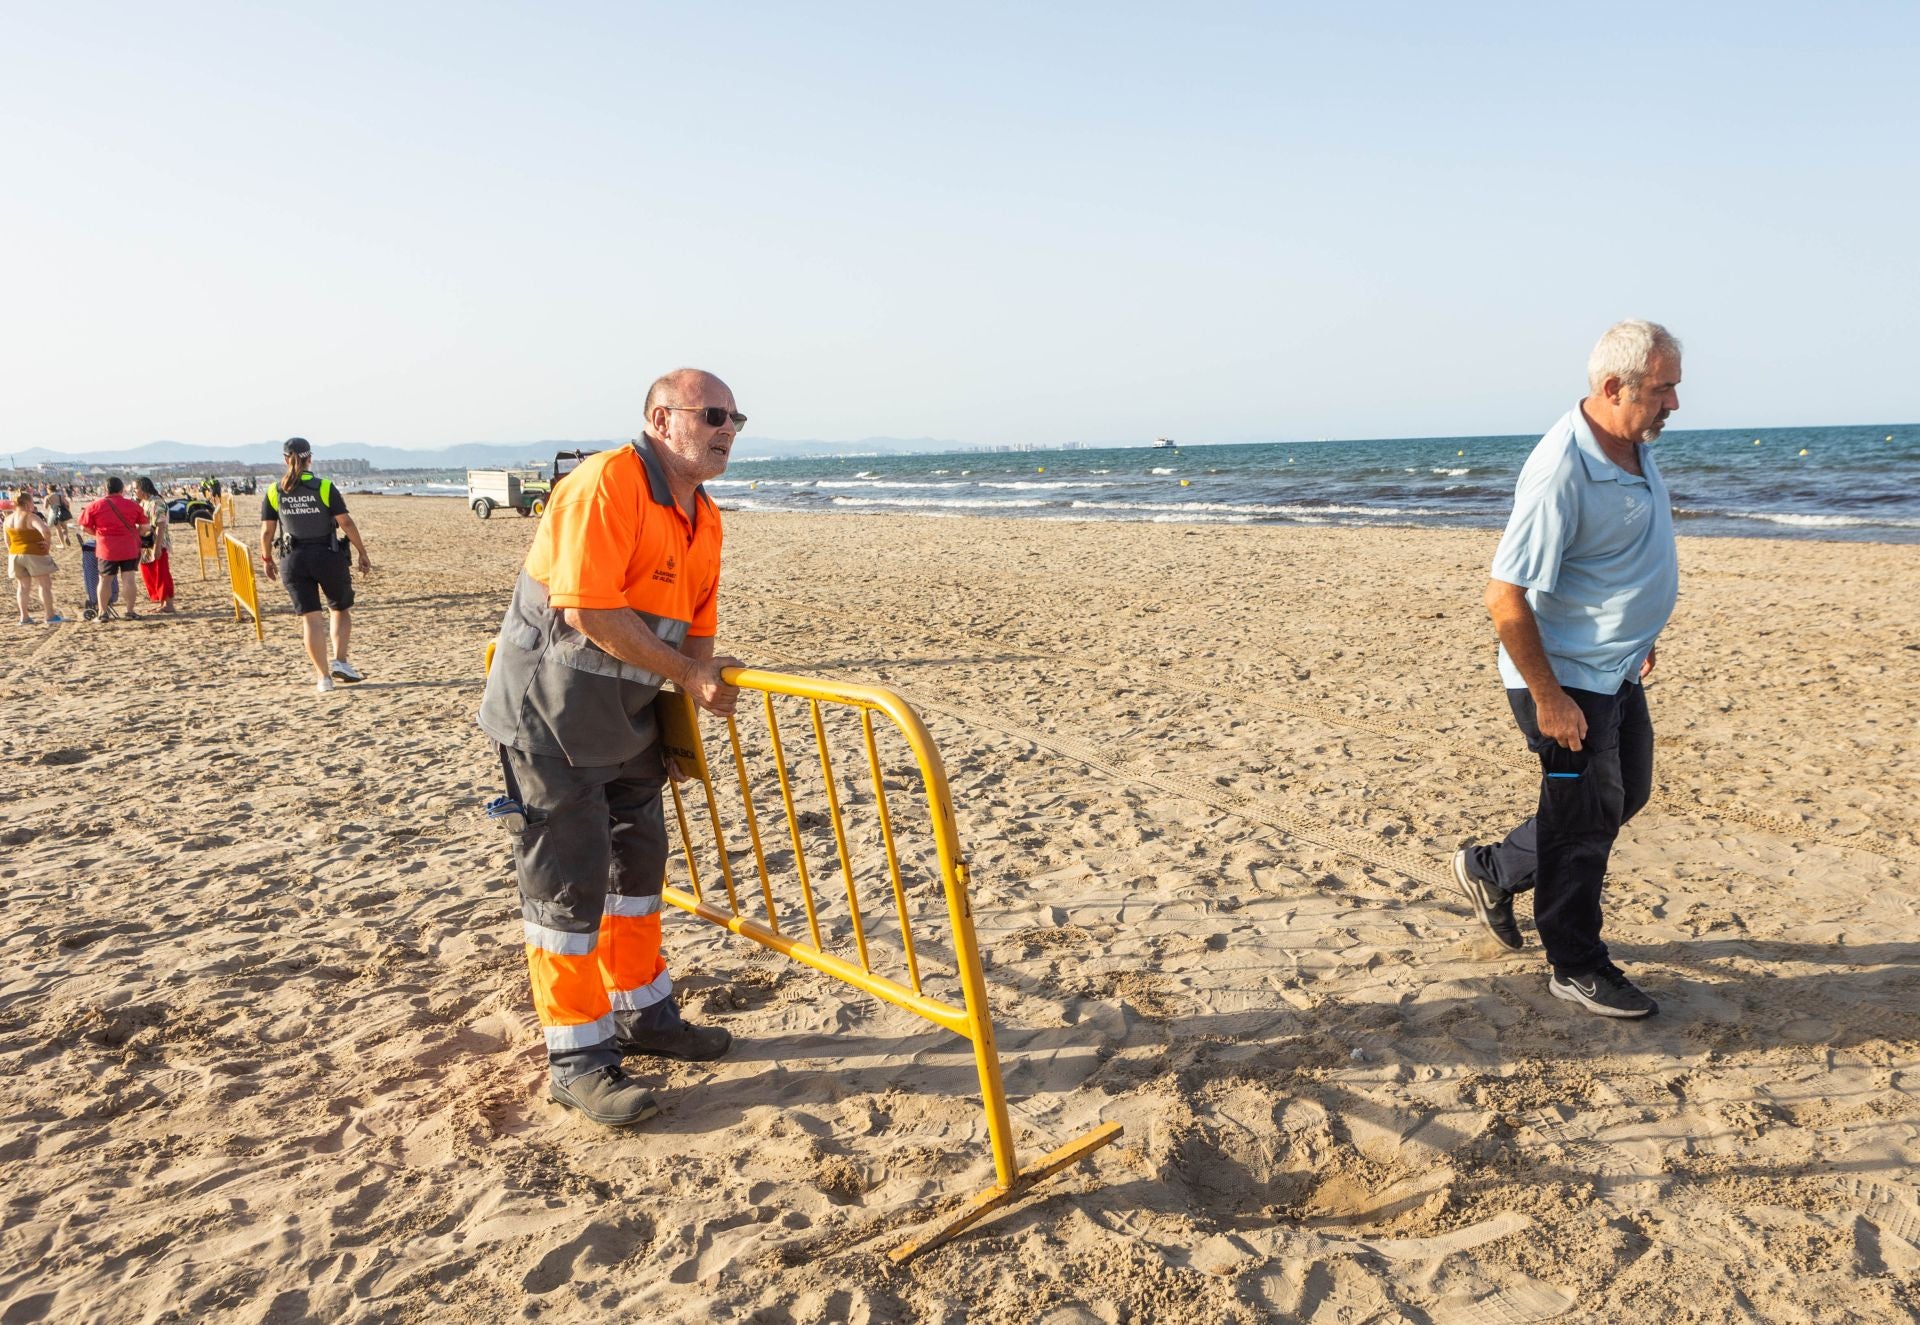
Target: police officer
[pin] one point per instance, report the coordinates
(617, 596)
(305, 520)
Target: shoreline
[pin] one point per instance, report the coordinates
(1789, 534)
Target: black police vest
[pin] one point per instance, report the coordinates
(302, 510)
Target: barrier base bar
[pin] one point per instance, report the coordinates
(997, 1196)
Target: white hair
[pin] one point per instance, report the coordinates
(1627, 350)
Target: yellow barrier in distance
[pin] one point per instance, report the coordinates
(680, 735)
(241, 584)
(226, 507)
(208, 540)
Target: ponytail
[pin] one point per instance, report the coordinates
(296, 466)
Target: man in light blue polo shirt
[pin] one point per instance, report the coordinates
(1582, 585)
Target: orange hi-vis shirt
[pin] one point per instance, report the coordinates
(612, 536)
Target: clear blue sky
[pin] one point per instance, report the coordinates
(429, 223)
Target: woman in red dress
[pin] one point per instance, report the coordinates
(155, 567)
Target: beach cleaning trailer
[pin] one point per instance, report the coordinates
(490, 490)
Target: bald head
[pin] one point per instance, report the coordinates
(682, 386)
(692, 420)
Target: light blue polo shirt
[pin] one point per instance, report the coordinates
(1593, 547)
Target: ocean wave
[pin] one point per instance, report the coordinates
(983, 504)
(1063, 483)
(1160, 471)
(1450, 473)
(1254, 509)
(777, 507)
(1803, 520)
(880, 483)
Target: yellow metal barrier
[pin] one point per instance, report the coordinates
(208, 539)
(241, 584)
(680, 733)
(226, 508)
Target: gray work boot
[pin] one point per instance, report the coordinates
(608, 1096)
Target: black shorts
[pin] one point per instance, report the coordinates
(311, 571)
(115, 567)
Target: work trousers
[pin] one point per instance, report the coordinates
(1585, 796)
(591, 861)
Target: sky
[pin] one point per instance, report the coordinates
(421, 224)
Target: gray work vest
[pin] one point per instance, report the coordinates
(553, 691)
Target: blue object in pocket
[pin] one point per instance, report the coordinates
(1563, 775)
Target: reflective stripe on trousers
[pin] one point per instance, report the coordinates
(581, 980)
(591, 860)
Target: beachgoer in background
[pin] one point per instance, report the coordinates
(30, 559)
(60, 515)
(313, 548)
(89, 571)
(616, 597)
(155, 564)
(1583, 583)
(116, 522)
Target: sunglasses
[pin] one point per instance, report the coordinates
(713, 415)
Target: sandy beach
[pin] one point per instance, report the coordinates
(269, 1055)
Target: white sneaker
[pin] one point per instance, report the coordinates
(324, 684)
(346, 671)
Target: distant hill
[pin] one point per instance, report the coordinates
(478, 455)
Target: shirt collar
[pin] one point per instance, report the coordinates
(1600, 469)
(657, 485)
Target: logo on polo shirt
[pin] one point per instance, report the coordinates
(666, 574)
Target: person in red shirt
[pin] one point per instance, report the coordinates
(117, 522)
(617, 597)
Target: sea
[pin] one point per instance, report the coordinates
(1854, 483)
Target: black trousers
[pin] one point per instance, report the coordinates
(1585, 796)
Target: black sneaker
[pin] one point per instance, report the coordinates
(1494, 907)
(608, 1096)
(690, 1043)
(1606, 991)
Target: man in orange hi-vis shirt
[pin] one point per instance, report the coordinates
(616, 598)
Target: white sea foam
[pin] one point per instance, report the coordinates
(1800, 521)
(1202, 519)
(751, 504)
(1309, 513)
(1027, 484)
(1160, 471)
(982, 504)
(1451, 473)
(881, 483)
